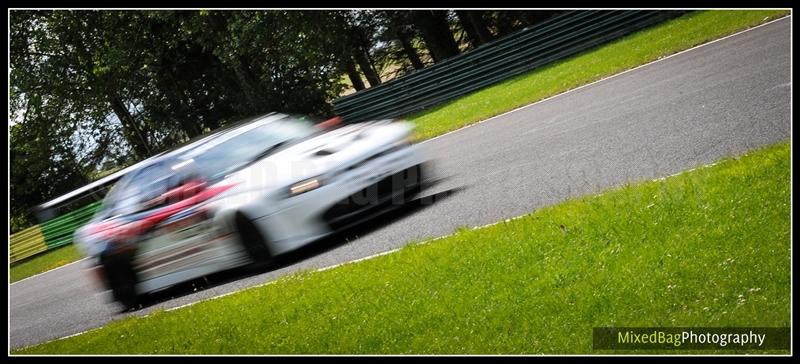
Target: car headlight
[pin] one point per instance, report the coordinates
(304, 186)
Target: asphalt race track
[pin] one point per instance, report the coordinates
(721, 99)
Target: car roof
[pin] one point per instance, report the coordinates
(216, 137)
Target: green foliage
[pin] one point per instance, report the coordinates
(89, 87)
(709, 247)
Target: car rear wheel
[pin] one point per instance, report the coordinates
(252, 239)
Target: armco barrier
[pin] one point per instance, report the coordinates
(51, 234)
(517, 53)
(58, 232)
(27, 243)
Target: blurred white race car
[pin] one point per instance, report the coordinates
(246, 194)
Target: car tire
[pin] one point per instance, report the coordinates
(253, 241)
(121, 277)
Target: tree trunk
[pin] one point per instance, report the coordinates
(133, 134)
(410, 51)
(245, 84)
(352, 73)
(131, 131)
(433, 26)
(366, 67)
(191, 127)
(476, 19)
(98, 154)
(472, 33)
(229, 57)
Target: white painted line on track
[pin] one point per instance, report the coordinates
(45, 272)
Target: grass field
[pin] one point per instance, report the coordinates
(709, 247)
(44, 262)
(636, 49)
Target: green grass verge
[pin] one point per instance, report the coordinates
(709, 247)
(44, 262)
(634, 50)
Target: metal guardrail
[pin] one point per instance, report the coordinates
(49, 235)
(58, 232)
(554, 39)
(27, 243)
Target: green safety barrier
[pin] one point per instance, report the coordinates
(530, 48)
(50, 234)
(59, 231)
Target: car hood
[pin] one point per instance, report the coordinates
(318, 156)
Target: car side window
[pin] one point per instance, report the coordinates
(145, 184)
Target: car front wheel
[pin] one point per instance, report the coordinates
(251, 238)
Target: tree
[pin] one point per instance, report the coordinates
(58, 55)
(475, 27)
(87, 33)
(41, 165)
(435, 30)
(506, 22)
(87, 87)
(58, 90)
(357, 30)
(352, 73)
(397, 25)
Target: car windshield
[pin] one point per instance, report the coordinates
(230, 153)
(210, 160)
